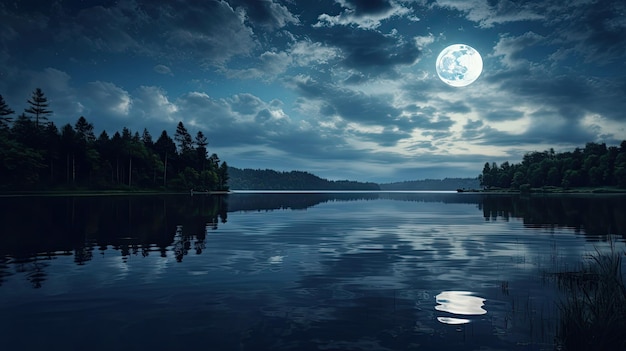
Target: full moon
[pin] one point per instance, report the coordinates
(459, 65)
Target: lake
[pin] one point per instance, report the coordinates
(294, 271)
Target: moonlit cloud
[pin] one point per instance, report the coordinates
(343, 88)
(109, 97)
(152, 103)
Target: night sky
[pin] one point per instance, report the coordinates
(345, 89)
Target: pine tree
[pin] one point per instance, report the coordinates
(222, 175)
(166, 149)
(146, 138)
(183, 138)
(38, 104)
(4, 112)
(84, 130)
(201, 150)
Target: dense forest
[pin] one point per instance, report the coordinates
(595, 165)
(257, 179)
(433, 184)
(36, 155)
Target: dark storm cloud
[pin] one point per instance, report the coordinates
(210, 32)
(596, 30)
(368, 51)
(108, 29)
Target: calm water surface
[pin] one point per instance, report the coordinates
(369, 271)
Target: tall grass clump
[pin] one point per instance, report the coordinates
(593, 312)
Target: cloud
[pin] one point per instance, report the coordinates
(306, 52)
(595, 30)
(267, 13)
(153, 104)
(513, 49)
(364, 14)
(350, 104)
(211, 32)
(162, 69)
(268, 65)
(108, 97)
(488, 13)
(389, 136)
(246, 104)
(370, 52)
(107, 29)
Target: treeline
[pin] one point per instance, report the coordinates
(36, 155)
(257, 179)
(595, 165)
(433, 184)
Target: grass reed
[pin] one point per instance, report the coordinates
(593, 312)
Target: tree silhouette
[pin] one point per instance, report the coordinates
(593, 166)
(33, 154)
(166, 149)
(38, 106)
(4, 112)
(183, 138)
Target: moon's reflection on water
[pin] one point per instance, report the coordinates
(459, 303)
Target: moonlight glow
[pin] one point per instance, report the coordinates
(459, 65)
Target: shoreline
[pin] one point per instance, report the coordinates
(533, 191)
(548, 190)
(105, 193)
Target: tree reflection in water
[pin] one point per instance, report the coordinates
(291, 276)
(177, 224)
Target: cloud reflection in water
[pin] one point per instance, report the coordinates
(459, 303)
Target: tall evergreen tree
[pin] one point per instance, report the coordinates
(183, 138)
(87, 158)
(84, 130)
(68, 146)
(52, 141)
(117, 149)
(201, 150)
(5, 111)
(146, 138)
(38, 106)
(222, 175)
(166, 149)
(23, 130)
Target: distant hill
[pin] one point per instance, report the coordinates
(267, 179)
(434, 184)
